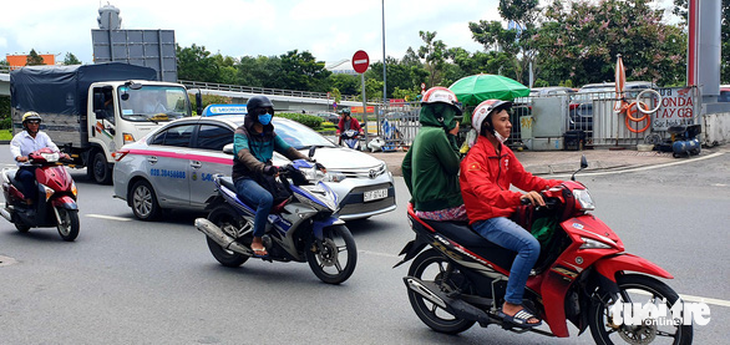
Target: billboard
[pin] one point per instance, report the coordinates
(149, 48)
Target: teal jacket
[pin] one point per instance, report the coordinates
(431, 166)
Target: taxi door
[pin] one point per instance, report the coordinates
(207, 160)
(169, 165)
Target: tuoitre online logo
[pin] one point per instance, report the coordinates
(650, 314)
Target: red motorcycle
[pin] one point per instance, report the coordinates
(55, 204)
(581, 275)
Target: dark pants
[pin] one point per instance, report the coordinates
(26, 176)
(250, 192)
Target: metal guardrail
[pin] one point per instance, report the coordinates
(5, 69)
(258, 90)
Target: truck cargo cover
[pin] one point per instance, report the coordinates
(64, 89)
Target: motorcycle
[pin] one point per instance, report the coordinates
(56, 197)
(304, 228)
(581, 276)
(351, 139)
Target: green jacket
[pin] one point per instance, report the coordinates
(431, 166)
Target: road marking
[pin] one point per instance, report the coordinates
(683, 161)
(386, 255)
(101, 216)
(715, 301)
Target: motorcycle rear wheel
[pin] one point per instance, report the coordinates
(227, 219)
(325, 258)
(69, 226)
(641, 289)
(430, 266)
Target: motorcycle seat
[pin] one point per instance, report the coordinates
(228, 183)
(464, 235)
(10, 175)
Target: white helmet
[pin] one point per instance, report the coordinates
(439, 94)
(483, 110)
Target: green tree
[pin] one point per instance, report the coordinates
(301, 71)
(33, 59)
(71, 59)
(581, 43)
(434, 55)
(346, 84)
(196, 64)
(681, 9)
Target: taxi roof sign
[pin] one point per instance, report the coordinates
(225, 109)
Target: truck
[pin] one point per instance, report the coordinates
(90, 111)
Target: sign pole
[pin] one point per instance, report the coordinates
(364, 109)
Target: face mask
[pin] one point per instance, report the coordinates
(265, 119)
(500, 137)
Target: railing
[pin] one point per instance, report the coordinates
(259, 90)
(5, 69)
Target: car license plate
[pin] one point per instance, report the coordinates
(375, 195)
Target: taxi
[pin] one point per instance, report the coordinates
(173, 167)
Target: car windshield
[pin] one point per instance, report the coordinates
(297, 135)
(154, 103)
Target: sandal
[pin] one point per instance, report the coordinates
(520, 318)
(259, 252)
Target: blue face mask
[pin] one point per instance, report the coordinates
(265, 119)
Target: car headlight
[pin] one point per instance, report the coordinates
(584, 199)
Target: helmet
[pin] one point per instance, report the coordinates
(345, 111)
(31, 115)
(439, 94)
(483, 110)
(256, 102)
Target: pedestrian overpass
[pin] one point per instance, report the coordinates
(284, 100)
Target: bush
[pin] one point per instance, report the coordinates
(310, 121)
(6, 123)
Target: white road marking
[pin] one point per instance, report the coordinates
(101, 216)
(386, 255)
(681, 161)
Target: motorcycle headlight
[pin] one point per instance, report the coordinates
(51, 157)
(584, 199)
(589, 243)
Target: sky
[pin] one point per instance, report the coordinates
(332, 30)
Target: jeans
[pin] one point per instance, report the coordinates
(250, 192)
(508, 234)
(26, 176)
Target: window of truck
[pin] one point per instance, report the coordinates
(154, 103)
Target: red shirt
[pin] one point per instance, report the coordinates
(354, 124)
(486, 178)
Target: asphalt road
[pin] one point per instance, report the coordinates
(129, 282)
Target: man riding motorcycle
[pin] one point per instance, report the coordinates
(347, 122)
(25, 142)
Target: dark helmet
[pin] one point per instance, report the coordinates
(256, 102)
(345, 111)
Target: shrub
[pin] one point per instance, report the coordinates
(6, 123)
(310, 121)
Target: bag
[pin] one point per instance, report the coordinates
(276, 188)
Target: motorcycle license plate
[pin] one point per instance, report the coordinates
(375, 195)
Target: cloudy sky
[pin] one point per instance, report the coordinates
(331, 30)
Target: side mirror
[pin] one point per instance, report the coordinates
(583, 162)
(311, 151)
(228, 149)
(199, 102)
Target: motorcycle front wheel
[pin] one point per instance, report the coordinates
(69, 225)
(334, 258)
(227, 219)
(643, 290)
(431, 266)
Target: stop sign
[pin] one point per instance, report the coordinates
(360, 61)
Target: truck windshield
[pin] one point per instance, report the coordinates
(154, 103)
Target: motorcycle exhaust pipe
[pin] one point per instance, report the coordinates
(453, 306)
(4, 212)
(216, 234)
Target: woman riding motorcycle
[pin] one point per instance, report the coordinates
(487, 172)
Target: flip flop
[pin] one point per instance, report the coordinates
(520, 319)
(260, 252)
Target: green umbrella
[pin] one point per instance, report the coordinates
(475, 89)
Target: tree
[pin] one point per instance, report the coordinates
(344, 83)
(195, 64)
(681, 10)
(71, 59)
(434, 54)
(581, 43)
(33, 59)
(302, 72)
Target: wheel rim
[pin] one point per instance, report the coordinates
(64, 227)
(433, 270)
(332, 253)
(654, 331)
(143, 201)
(99, 169)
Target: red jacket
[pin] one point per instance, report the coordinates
(354, 124)
(485, 181)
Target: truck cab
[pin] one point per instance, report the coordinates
(124, 112)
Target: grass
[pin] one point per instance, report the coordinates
(6, 134)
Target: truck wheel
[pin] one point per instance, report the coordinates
(100, 170)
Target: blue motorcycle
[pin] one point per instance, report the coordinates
(304, 228)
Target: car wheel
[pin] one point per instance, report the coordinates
(144, 201)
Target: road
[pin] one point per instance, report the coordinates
(129, 282)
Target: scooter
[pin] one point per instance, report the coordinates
(581, 276)
(55, 204)
(303, 228)
(351, 138)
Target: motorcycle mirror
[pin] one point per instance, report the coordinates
(199, 102)
(583, 165)
(311, 151)
(228, 149)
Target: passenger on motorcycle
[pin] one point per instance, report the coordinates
(487, 172)
(25, 142)
(254, 144)
(431, 166)
(347, 122)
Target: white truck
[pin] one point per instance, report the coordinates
(92, 110)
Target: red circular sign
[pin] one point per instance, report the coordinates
(360, 61)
